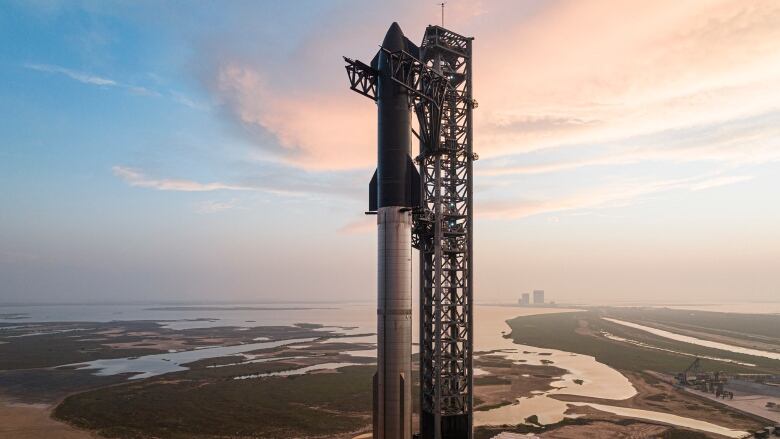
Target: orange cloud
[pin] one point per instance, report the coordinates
(318, 130)
(134, 177)
(603, 197)
(564, 73)
(608, 70)
(366, 224)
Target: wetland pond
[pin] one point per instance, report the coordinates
(584, 375)
(697, 341)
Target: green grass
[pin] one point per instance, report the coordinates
(306, 405)
(56, 349)
(557, 331)
(751, 326)
(90, 342)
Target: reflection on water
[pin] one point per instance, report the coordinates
(697, 341)
(158, 364)
(598, 379)
(251, 360)
(548, 411)
(299, 371)
(649, 346)
(666, 418)
(741, 308)
(356, 315)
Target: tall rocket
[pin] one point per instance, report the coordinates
(435, 80)
(393, 192)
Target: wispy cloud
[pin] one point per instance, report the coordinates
(265, 177)
(211, 206)
(85, 78)
(743, 142)
(88, 78)
(137, 178)
(102, 81)
(719, 181)
(316, 130)
(189, 102)
(602, 197)
(365, 224)
(679, 67)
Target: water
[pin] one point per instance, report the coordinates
(666, 419)
(158, 364)
(698, 341)
(649, 346)
(357, 315)
(739, 308)
(725, 307)
(598, 380)
(298, 371)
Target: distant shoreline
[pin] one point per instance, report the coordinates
(233, 308)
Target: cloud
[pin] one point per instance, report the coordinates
(266, 177)
(189, 102)
(137, 178)
(558, 74)
(100, 81)
(209, 207)
(719, 181)
(543, 123)
(87, 78)
(677, 67)
(742, 142)
(319, 130)
(73, 74)
(365, 224)
(615, 195)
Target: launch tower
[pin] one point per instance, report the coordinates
(443, 235)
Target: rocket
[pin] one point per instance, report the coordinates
(437, 85)
(393, 192)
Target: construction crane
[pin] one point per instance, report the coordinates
(682, 377)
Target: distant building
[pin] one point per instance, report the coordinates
(538, 297)
(525, 299)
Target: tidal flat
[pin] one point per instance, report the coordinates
(304, 371)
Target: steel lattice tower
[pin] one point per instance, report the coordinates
(444, 236)
(437, 77)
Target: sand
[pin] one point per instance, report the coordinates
(656, 395)
(33, 421)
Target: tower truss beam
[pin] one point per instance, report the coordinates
(443, 230)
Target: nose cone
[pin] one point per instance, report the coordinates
(394, 39)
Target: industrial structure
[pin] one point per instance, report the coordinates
(538, 297)
(432, 211)
(709, 382)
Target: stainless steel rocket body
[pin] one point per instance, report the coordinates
(394, 324)
(392, 384)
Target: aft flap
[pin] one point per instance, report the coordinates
(372, 194)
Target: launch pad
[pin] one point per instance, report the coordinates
(435, 80)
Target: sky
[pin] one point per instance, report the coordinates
(212, 151)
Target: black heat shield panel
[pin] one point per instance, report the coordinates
(411, 48)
